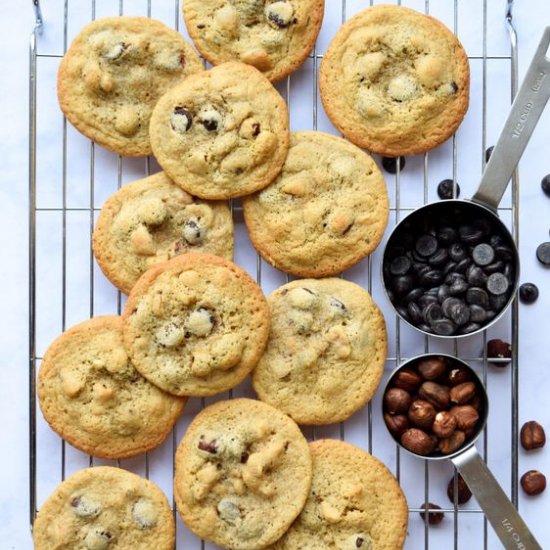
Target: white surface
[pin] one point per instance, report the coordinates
(15, 25)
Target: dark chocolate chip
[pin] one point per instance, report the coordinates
(439, 257)
(431, 277)
(445, 189)
(470, 234)
(497, 303)
(504, 252)
(469, 328)
(181, 119)
(443, 293)
(415, 313)
(443, 327)
(403, 284)
(432, 312)
(413, 295)
(476, 296)
(476, 276)
(477, 313)
(404, 312)
(449, 266)
(494, 267)
(545, 185)
(497, 284)
(277, 20)
(528, 293)
(458, 287)
(457, 252)
(463, 265)
(483, 254)
(426, 300)
(400, 265)
(426, 245)
(449, 304)
(460, 313)
(447, 235)
(543, 253)
(390, 164)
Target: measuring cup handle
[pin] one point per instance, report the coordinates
(507, 523)
(526, 110)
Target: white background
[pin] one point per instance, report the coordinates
(530, 17)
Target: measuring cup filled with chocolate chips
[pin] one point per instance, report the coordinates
(435, 407)
(452, 268)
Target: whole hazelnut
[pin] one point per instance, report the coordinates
(396, 423)
(453, 443)
(499, 349)
(436, 394)
(463, 494)
(532, 435)
(421, 413)
(434, 518)
(533, 482)
(458, 375)
(397, 401)
(466, 416)
(407, 379)
(417, 442)
(432, 368)
(463, 393)
(444, 424)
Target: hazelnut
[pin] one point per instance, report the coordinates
(444, 424)
(436, 394)
(463, 494)
(407, 380)
(533, 482)
(417, 442)
(432, 368)
(453, 443)
(397, 401)
(396, 423)
(463, 393)
(422, 413)
(466, 416)
(498, 349)
(434, 518)
(458, 375)
(532, 436)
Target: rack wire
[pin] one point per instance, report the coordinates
(51, 249)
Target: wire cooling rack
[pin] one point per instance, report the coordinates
(70, 178)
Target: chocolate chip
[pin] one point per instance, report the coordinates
(454, 87)
(426, 245)
(469, 234)
(447, 235)
(192, 232)
(543, 253)
(483, 254)
(469, 328)
(458, 287)
(504, 252)
(545, 185)
(181, 120)
(528, 293)
(497, 284)
(208, 446)
(402, 285)
(494, 267)
(475, 275)
(390, 164)
(449, 267)
(359, 542)
(413, 295)
(498, 302)
(400, 265)
(445, 189)
(432, 312)
(443, 293)
(255, 129)
(457, 252)
(477, 296)
(426, 299)
(431, 277)
(415, 313)
(459, 313)
(477, 313)
(443, 327)
(439, 257)
(338, 305)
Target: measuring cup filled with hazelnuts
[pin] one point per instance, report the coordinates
(452, 268)
(435, 407)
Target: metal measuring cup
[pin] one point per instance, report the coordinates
(504, 518)
(481, 213)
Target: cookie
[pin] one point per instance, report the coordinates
(196, 324)
(113, 74)
(355, 502)
(275, 36)
(221, 133)
(152, 220)
(243, 473)
(327, 209)
(105, 508)
(325, 353)
(395, 81)
(92, 396)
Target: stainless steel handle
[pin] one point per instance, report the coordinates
(526, 110)
(507, 523)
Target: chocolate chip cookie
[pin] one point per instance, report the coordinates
(113, 74)
(327, 209)
(196, 324)
(152, 220)
(354, 502)
(273, 36)
(325, 353)
(93, 397)
(395, 81)
(105, 508)
(221, 133)
(243, 473)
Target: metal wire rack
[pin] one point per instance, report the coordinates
(70, 177)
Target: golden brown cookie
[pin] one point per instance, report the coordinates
(221, 133)
(105, 508)
(326, 211)
(395, 81)
(243, 473)
(113, 74)
(93, 397)
(326, 350)
(152, 220)
(196, 324)
(275, 36)
(354, 502)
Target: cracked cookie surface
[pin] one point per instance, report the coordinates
(113, 74)
(92, 396)
(105, 508)
(327, 209)
(325, 353)
(243, 473)
(354, 502)
(196, 324)
(395, 81)
(221, 133)
(274, 36)
(152, 220)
